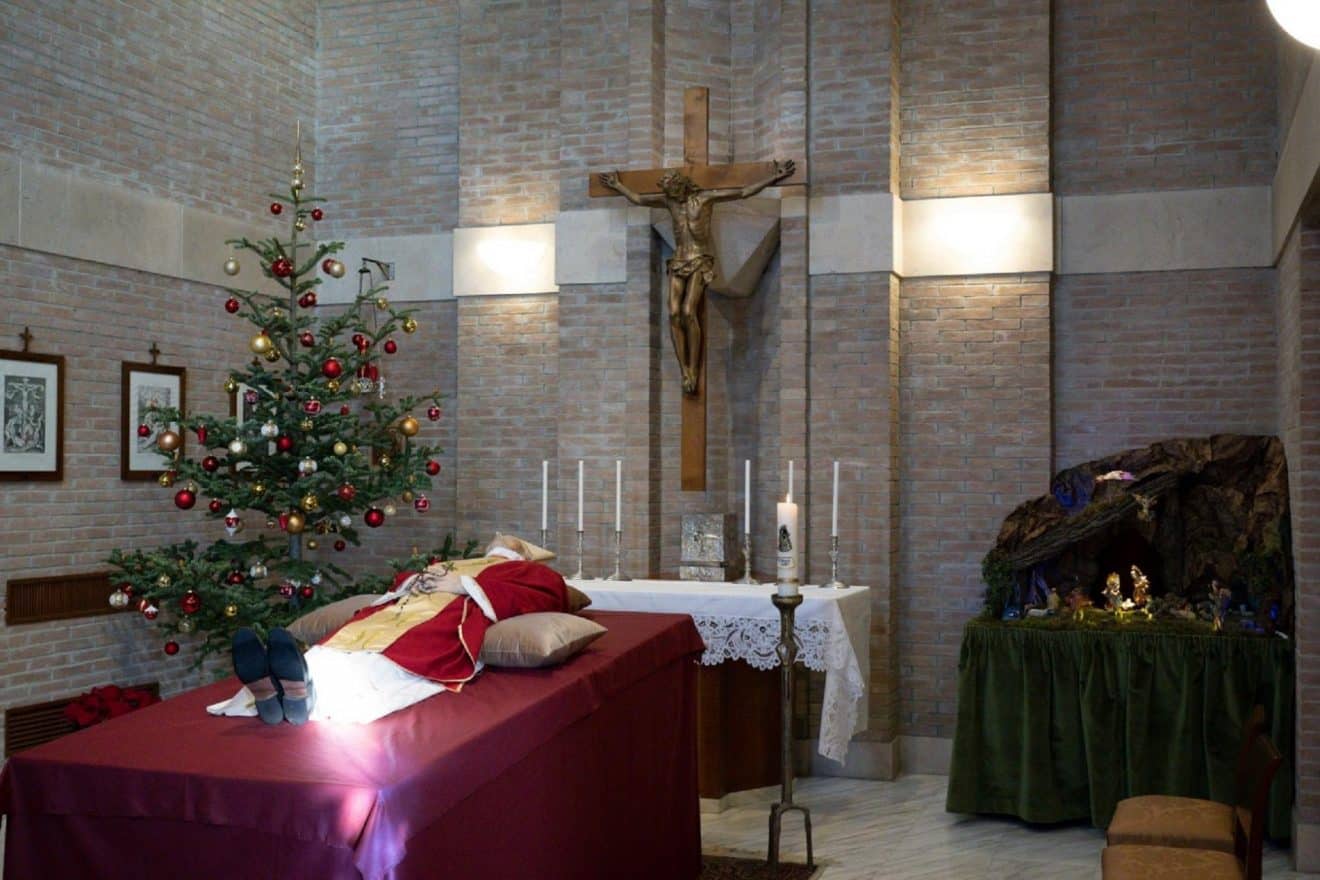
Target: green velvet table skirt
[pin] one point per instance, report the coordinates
(1059, 725)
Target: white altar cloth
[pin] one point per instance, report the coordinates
(739, 622)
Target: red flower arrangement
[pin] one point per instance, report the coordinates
(110, 701)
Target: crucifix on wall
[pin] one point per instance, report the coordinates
(690, 193)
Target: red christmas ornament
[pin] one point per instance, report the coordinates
(433, 467)
(284, 443)
(234, 578)
(391, 346)
(312, 407)
(359, 341)
(286, 589)
(283, 520)
(318, 214)
(344, 410)
(281, 268)
(310, 299)
(347, 492)
(171, 647)
(374, 517)
(340, 544)
(201, 434)
(127, 590)
(210, 464)
(306, 592)
(232, 305)
(327, 264)
(421, 504)
(373, 372)
(433, 413)
(215, 506)
(150, 611)
(191, 603)
(307, 339)
(184, 499)
(332, 369)
(276, 208)
(144, 430)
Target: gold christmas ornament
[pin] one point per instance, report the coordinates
(296, 523)
(340, 447)
(300, 224)
(168, 441)
(334, 268)
(389, 510)
(409, 426)
(166, 479)
(384, 461)
(310, 503)
(277, 313)
(409, 324)
(163, 581)
(260, 344)
(231, 611)
(186, 625)
(382, 303)
(332, 386)
(272, 356)
(258, 488)
(230, 385)
(312, 544)
(406, 497)
(232, 266)
(307, 424)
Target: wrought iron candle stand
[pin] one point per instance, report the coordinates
(577, 576)
(835, 583)
(787, 652)
(747, 561)
(618, 574)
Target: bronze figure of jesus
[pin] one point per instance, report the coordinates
(692, 267)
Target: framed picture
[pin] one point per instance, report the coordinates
(31, 416)
(145, 386)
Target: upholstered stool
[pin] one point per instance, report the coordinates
(1167, 863)
(1165, 820)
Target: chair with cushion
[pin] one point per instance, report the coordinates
(1166, 820)
(1124, 860)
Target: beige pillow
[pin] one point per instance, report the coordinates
(316, 625)
(577, 600)
(541, 639)
(524, 548)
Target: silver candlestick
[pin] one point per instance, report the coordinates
(545, 538)
(835, 583)
(618, 574)
(578, 575)
(747, 561)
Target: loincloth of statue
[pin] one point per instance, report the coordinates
(703, 265)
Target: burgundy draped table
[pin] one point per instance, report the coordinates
(586, 770)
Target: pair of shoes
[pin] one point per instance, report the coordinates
(276, 675)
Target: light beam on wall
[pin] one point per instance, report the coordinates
(510, 257)
(495, 260)
(1300, 18)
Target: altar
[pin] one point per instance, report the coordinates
(738, 622)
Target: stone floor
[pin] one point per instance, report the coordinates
(899, 830)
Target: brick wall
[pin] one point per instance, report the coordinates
(96, 317)
(387, 115)
(508, 375)
(698, 52)
(194, 103)
(1299, 376)
(974, 442)
(851, 49)
(975, 98)
(1148, 356)
(853, 373)
(1156, 95)
(593, 97)
(509, 107)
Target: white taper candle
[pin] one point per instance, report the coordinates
(545, 494)
(834, 514)
(618, 495)
(789, 499)
(747, 496)
(580, 527)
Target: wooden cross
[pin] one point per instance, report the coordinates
(26, 336)
(696, 158)
(154, 351)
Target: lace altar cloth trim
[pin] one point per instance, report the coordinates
(821, 647)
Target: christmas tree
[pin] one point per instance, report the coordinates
(314, 449)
